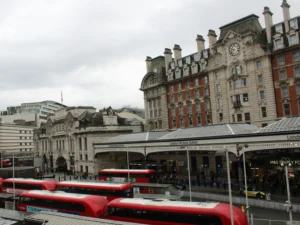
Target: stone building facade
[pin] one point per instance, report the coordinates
(66, 140)
(247, 75)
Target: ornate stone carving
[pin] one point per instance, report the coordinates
(283, 83)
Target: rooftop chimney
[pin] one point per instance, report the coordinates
(286, 14)
(168, 57)
(148, 63)
(200, 44)
(212, 38)
(268, 22)
(177, 53)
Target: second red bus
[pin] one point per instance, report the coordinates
(107, 189)
(121, 175)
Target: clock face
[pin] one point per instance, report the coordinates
(234, 49)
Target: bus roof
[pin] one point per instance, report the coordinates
(36, 193)
(29, 180)
(131, 171)
(167, 203)
(97, 185)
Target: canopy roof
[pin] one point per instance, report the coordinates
(286, 124)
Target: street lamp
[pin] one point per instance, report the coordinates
(229, 187)
(287, 162)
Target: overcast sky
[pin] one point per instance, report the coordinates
(94, 51)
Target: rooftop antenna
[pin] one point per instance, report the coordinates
(62, 98)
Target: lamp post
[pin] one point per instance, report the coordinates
(285, 161)
(245, 179)
(229, 187)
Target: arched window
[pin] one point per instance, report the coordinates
(237, 69)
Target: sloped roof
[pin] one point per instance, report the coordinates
(145, 136)
(286, 124)
(211, 131)
(129, 115)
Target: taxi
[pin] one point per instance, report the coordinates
(254, 191)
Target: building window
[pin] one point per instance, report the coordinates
(218, 88)
(219, 102)
(258, 65)
(207, 105)
(172, 98)
(198, 108)
(245, 97)
(208, 119)
(237, 69)
(197, 94)
(297, 71)
(244, 82)
(262, 95)
(188, 94)
(173, 111)
(181, 110)
(87, 169)
(278, 28)
(189, 108)
(181, 122)
(159, 112)
(179, 97)
(190, 120)
(247, 117)
(239, 117)
(179, 87)
(233, 118)
(199, 119)
(298, 89)
(187, 84)
(263, 111)
(230, 85)
(86, 157)
(284, 92)
(281, 60)
(293, 39)
(282, 75)
(196, 82)
(172, 88)
(264, 125)
(174, 123)
(81, 168)
(221, 117)
(205, 81)
(236, 84)
(286, 109)
(293, 24)
(296, 56)
(217, 75)
(278, 43)
(260, 79)
(205, 91)
(80, 157)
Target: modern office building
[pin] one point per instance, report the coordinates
(35, 112)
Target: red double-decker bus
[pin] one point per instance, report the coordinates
(121, 175)
(58, 201)
(109, 190)
(21, 184)
(165, 212)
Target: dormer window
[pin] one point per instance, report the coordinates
(172, 65)
(278, 44)
(180, 62)
(205, 54)
(278, 28)
(293, 24)
(237, 69)
(293, 39)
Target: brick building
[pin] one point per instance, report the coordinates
(232, 81)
